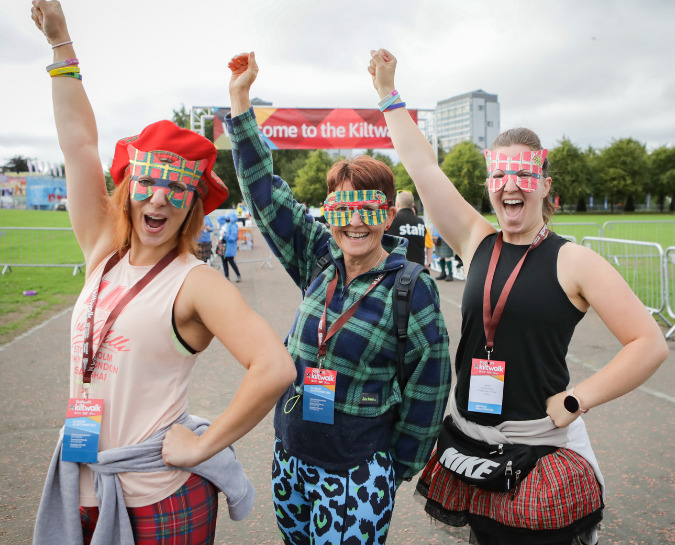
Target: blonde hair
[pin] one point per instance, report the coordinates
(526, 137)
(119, 209)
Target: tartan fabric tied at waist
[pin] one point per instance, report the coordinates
(558, 493)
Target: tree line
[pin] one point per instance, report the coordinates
(623, 173)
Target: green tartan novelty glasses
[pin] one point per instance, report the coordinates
(371, 205)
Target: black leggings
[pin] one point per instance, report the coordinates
(226, 270)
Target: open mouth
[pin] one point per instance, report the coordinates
(154, 223)
(512, 207)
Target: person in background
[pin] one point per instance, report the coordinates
(143, 470)
(445, 255)
(428, 248)
(204, 249)
(229, 236)
(351, 428)
(527, 289)
(409, 226)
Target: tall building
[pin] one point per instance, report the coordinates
(472, 116)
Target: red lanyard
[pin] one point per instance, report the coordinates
(490, 319)
(342, 320)
(89, 360)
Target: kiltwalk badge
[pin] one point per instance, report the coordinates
(486, 388)
(318, 403)
(82, 430)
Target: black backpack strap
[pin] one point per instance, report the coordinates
(320, 265)
(403, 290)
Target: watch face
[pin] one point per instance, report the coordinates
(571, 404)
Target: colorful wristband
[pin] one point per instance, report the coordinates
(63, 43)
(389, 102)
(394, 106)
(70, 75)
(64, 70)
(387, 99)
(62, 64)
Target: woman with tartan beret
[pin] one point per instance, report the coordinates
(147, 309)
(526, 289)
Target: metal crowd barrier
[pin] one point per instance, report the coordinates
(576, 230)
(39, 247)
(641, 264)
(647, 230)
(670, 285)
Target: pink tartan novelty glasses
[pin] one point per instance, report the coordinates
(531, 163)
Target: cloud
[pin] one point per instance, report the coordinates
(590, 71)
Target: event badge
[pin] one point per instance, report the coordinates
(486, 389)
(82, 431)
(318, 404)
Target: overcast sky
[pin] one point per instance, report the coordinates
(592, 71)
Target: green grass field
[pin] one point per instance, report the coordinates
(57, 288)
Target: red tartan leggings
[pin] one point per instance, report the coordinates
(187, 517)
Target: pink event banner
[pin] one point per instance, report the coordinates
(314, 128)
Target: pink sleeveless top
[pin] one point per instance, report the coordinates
(141, 374)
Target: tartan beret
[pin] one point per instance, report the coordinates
(168, 137)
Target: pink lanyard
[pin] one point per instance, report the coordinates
(89, 361)
(490, 319)
(342, 320)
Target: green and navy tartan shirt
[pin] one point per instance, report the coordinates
(363, 351)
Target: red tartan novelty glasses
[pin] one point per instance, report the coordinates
(501, 168)
(171, 173)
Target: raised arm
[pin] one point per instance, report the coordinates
(292, 235)
(460, 225)
(78, 138)
(244, 70)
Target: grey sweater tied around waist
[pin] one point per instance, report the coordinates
(58, 517)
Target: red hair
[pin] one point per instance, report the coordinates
(118, 208)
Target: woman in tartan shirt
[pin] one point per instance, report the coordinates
(560, 500)
(335, 475)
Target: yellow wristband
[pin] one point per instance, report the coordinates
(64, 70)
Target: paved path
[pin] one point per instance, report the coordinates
(633, 437)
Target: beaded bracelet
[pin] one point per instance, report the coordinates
(64, 43)
(394, 106)
(387, 98)
(64, 70)
(61, 64)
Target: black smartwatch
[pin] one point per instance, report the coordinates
(572, 403)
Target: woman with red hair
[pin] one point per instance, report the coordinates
(144, 470)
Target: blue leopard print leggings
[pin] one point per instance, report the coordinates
(314, 506)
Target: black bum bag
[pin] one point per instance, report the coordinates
(490, 467)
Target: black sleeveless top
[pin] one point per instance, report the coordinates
(533, 334)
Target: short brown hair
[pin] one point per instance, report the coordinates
(364, 173)
(526, 137)
(118, 208)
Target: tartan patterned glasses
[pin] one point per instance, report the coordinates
(527, 161)
(165, 171)
(371, 205)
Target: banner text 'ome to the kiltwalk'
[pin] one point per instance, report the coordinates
(315, 128)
